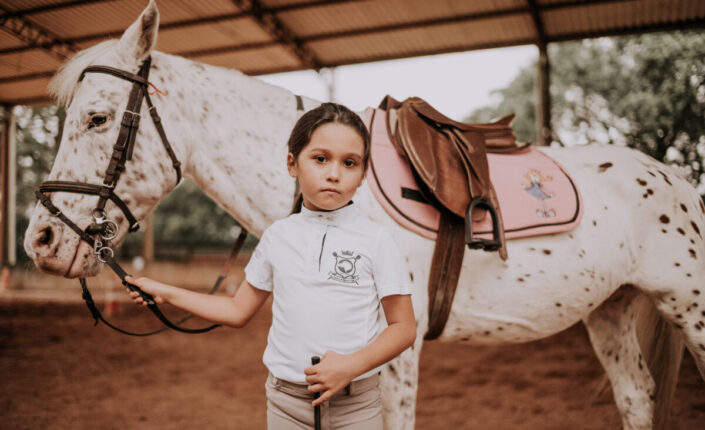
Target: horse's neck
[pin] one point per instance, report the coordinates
(232, 132)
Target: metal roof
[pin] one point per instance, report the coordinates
(269, 36)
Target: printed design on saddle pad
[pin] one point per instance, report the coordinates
(536, 188)
(535, 194)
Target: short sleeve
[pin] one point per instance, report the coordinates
(389, 270)
(258, 271)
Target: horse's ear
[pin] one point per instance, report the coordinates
(140, 38)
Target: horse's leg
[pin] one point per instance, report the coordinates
(398, 382)
(612, 330)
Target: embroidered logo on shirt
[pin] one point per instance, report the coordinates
(344, 267)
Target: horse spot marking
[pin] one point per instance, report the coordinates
(651, 173)
(590, 305)
(677, 264)
(681, 231)
(604, 166)
(520, 279)
(558, 305)
(692, 253)
(695, 227)
(696, 292)
(486, 333)
(663, 230)
(688, 275)
(641, 182)
(665, 178)
(684, 207)
(702, 206)
(587, 289)
(664, 219)
(594, 223)
(649, 191)
(547, 251)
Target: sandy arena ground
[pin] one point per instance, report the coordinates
(60, 372)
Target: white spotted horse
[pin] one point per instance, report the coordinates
(631, 271)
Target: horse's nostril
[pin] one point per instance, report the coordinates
(45, 236)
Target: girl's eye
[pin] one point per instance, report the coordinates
(320, 158)
(350, 163)
(97, 120)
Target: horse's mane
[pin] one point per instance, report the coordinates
(63, 84)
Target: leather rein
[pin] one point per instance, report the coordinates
(99, 233)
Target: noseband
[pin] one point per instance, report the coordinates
(106, 229)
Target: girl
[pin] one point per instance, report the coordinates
(329, 269)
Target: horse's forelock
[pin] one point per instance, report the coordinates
(63, 84)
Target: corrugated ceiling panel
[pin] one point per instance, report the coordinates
(206, 36)
(251, 60)
(100, 18)
(94, 18)
(27, 4)
(352, 16)
(23, 90)
(628, 14)
(450, 37)
(551, 2)
(275, 3)
(9, 41)
(33, 61)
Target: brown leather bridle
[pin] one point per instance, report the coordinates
(105, 229)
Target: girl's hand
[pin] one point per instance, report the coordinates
(156, 289)
(332, 374)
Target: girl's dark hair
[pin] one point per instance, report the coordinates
(311, 120)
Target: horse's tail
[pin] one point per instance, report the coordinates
(662, 348)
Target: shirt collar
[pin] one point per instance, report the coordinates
(334, 217)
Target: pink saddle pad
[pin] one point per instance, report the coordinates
(536, 196)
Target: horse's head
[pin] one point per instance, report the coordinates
(95, 109)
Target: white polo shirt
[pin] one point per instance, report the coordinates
(328, 272)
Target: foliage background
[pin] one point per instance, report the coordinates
(645, 91)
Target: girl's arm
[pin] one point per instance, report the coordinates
(231, 311)
(335, 371)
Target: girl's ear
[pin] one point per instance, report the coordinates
(291, 165)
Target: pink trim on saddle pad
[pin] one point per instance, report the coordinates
(535, 194)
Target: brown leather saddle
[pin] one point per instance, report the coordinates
(449, 160)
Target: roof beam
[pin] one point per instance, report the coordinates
(50, 7)
(179, 24)
(279, 31)
(538, 23)
(36, 37)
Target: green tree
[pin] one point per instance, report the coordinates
(36, 145)
(185, 220)
(645, 91)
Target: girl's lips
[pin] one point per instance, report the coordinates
(330, 190)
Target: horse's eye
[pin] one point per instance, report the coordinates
(97, 120)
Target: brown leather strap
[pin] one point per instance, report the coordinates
(157, 120)
(83, 188)
(445, 271)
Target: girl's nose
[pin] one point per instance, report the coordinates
(333, 172)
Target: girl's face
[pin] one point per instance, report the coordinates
(329, 168)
